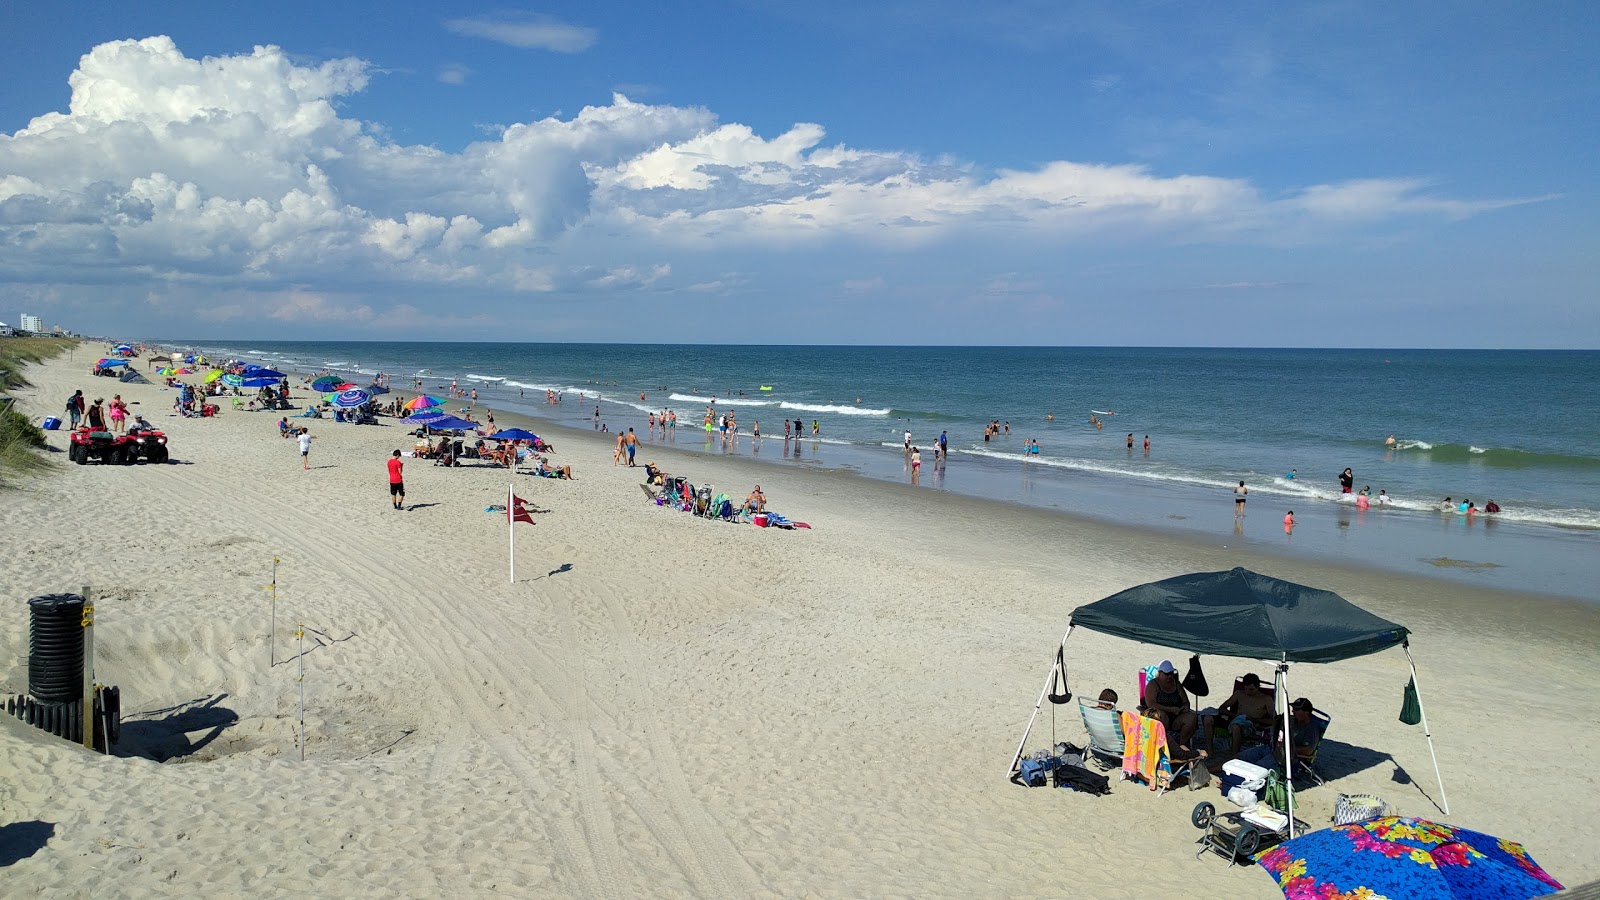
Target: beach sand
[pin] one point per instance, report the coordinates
(665, 706)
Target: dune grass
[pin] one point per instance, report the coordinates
(20, 439)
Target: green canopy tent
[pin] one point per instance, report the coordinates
(1244, 614)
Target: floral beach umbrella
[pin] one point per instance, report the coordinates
(1394, 857)
(424, 402)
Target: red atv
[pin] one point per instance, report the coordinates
(117, 449)
(149, 444)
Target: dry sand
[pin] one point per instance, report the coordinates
(665, 706)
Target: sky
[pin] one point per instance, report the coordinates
(1013, 172)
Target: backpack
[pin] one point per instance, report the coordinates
(72, 405)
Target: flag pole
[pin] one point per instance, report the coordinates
(511, 527)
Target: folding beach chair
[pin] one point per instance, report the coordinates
(1307, 766)
(1105, 733)
(1213, 727)
(1150, 731)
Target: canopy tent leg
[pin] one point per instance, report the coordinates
(1444, 802)
(1042, 691)
(1282, 690)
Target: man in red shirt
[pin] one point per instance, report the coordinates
(397, 485)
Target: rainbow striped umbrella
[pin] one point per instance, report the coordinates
(424, 402)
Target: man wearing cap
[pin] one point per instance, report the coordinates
(1167, 699)
(1303, 732)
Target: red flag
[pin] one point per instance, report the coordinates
(518, 512)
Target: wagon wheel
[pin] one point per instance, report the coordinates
(1203, 815)
(1249, 842)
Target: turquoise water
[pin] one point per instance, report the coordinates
(1520, 427)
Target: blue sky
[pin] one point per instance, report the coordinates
(1325, 174)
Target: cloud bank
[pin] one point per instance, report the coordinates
(239, 173)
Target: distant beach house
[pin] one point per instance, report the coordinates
(6, 330)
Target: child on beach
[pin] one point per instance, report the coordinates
(304, 438)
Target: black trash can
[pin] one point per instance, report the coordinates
(55, 648)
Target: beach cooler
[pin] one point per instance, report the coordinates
(1238, 773)
(760, 520)
(51, 423)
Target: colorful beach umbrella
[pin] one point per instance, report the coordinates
(350, 399)
(1404, 857)
(213, 375)
(424, 402)
(326, 384)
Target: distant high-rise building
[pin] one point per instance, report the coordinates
(31, 323)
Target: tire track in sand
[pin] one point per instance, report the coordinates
(702, 851)
(592, 866)
(725, 869)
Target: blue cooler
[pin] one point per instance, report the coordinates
(51, 423)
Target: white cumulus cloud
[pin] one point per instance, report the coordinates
(240, 173)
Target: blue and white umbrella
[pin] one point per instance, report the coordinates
(350, 399)
(428, 417)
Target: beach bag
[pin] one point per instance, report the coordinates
(1276, 794)
(1195, 681)
(1035, 771)
(1411, 707)
(1349, 809)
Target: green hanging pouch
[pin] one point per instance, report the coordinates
(1276, 794)
(1411, 708)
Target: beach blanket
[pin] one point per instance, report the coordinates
(1144, 753)
(777, 520)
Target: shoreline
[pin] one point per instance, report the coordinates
(1194, 516)
(1484, 551)
(824, 712)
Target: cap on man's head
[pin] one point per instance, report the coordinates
(1167, 666)
(1302, 703)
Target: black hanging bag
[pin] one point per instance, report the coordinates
(1059, 692)
(1195, 681)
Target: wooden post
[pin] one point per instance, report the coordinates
(300, 635)
(87, 713)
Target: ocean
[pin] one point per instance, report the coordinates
(1519, 427)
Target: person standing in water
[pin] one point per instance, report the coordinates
(1347, 481)
(1239, 494)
